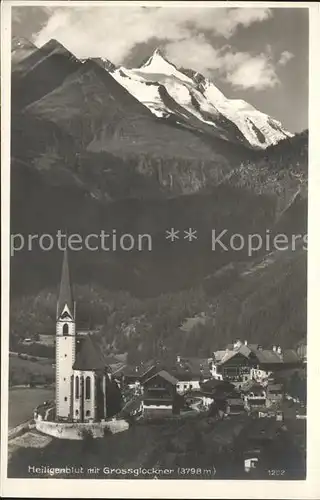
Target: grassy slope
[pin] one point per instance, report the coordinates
(22, 401)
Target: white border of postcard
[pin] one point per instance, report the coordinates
(101, 488)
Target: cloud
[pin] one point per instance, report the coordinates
(183, 33)
(240, 69)
(113, 32)
(285, 57)
(195, 52)
(241, 17)
(255, 72)
(26, 20)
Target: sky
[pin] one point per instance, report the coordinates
(256, 54)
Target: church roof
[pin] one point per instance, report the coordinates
(65, 293)
(92, 354)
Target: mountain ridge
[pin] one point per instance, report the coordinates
(212, 113)
(87, 154)
(202, 98)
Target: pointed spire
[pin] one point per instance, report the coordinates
(65, 294)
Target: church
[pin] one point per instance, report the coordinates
(85, 389)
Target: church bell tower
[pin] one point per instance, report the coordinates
(65, 344)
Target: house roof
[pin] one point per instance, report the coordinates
(290, 356)
(117, 367)
(133, 404)
(138, 371)
(194, 392)
(214, 384)
(189, 368)
(219, 355)
(165, 375)
(267, 356)
(243, 350)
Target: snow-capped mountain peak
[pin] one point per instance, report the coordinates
(157, 66)
(194, 101)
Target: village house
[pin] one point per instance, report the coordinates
(268, 361)
(133, 376)
(235, 406)
(198, 398)
(241, 362)
(190, 372)
(226, 397)
(254, 394)
(160, 397)
(217, 388)
(234, 363)
(274, 393)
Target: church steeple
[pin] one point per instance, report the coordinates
(65, 300)
(65, 344)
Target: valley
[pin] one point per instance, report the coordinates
(89, 154)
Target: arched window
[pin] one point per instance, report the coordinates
(65, 329)
(77, 387)
(88, 413)
(88, 388)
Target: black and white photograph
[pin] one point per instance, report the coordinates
(158, 212)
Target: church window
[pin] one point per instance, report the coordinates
(77, 387)
(88, 388)
(65, 329)
(88, 413)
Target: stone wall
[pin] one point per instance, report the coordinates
(75, 430)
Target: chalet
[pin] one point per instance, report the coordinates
(198, 398)
(241, 362)
(160, 395)
(267, 361)
(190, 372)
(253, 394)
(272, 411)
(234, 365)
(235, 406)
(133, 376)
(274, 393)
(217, 388)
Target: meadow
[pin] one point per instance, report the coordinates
(23, 400)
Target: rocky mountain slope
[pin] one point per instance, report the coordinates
(194, 100)
(88, 154)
